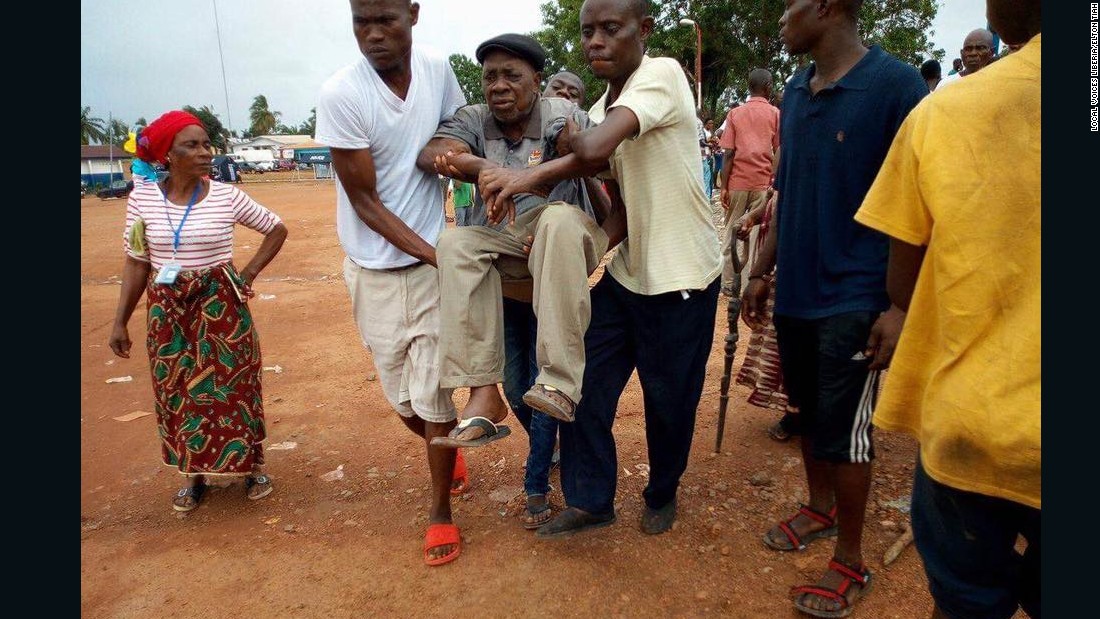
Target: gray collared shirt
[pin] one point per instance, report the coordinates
(475, 126)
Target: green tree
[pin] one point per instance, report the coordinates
(263, 119)
(116, 133)
(901, 28)
(309, 127)
(560, 36)
(92, 129)
(468, 73)
(214, 127)
(738, 36)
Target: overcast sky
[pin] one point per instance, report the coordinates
(141, 58)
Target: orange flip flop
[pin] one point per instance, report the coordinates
(442, 535)
(460, 475)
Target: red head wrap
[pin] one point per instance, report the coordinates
(156, 139)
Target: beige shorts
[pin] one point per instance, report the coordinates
(397, 312)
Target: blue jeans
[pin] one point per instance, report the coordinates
(462, 215)
(708, 177)
(667, 339)
(520, 372)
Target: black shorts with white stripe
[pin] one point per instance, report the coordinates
(826, 374)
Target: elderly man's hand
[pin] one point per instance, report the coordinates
(499, 186)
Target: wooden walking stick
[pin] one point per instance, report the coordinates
(733, 310)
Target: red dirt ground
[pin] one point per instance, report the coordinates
(351, 547)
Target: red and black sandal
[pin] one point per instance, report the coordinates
(852, 576)
(798, 542)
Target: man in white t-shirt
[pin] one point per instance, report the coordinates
(654, 308)
(376, 114)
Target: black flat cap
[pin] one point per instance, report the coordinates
(519, 45)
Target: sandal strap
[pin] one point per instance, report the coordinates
(460, 469)
(441, 535)
(557, 395)
(793, 537)
(859, 576)
(191, 491)
(487, 426)
(262, 478)
(828, 519)
(836, 596)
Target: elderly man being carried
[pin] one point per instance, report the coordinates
(550, 244)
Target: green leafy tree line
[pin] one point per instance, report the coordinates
(95, 130)
(738, 36)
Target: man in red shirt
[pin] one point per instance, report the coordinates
(750, 143)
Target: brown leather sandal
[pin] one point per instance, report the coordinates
(551, 401)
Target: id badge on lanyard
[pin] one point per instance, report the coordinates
(171, 270)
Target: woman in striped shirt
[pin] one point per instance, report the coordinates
(204, 353)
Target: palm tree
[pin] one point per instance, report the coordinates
(117, 132)
(213, 126)
(263, 119)
(91, 129)
(310, 125)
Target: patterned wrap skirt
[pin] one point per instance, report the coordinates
(204, 355)
(761, 369)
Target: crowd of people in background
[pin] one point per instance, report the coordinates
(857, 234)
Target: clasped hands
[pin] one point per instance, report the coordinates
(497, 185)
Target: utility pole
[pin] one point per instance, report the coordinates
(110, 150)
(225, 84)
(698, 61)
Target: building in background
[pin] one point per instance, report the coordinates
(101, 164)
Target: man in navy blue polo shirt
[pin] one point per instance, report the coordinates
(839, 117)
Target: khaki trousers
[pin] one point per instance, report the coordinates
(741, 202)
(473, 262)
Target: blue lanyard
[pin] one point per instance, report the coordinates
(176, 232)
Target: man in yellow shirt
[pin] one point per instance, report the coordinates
(965, 279)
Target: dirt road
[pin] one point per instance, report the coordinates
(351, 547)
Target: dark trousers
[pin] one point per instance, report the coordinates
(520, 371)
(667, 339)
(967, 542)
